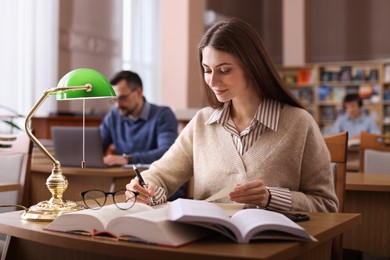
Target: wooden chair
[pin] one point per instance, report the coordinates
(337, 145)
(374, 153)
(15, 161)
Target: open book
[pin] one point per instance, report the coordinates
(241, 227)
(141, 223)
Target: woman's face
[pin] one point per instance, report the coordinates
(224, 75)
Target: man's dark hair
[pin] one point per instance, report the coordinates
(132, 79)
(353, 97)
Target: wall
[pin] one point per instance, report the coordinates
(181, 32)
(264, 15)
(347, 30)
(333, 30)
(90, 36)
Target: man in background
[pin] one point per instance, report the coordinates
(354, 120)
(135, 131)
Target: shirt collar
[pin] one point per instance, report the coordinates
(357, 120)
(144, 112)
(268, 114)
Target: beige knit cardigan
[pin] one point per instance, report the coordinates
(293, 157)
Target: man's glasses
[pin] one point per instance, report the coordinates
(122, 97)
(95, 199)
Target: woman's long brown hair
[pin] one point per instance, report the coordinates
(238, 38)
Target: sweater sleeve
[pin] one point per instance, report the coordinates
(316, 192)
(176, 166)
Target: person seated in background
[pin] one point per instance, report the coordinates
(354, 120)
(254, 136)
(136, 130)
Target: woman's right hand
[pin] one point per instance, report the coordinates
(144, 193)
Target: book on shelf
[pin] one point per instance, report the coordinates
(359, 74)
(290, 79)
(328, 114)
(386, 94)
(242, 227)
(306, 96)
(346, 73)
(352, 89)
(339, 94)
(325, 93)
(373, 75)
(330, 74)
(304, 76)
(141, 223)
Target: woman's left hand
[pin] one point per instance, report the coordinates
(253, 192)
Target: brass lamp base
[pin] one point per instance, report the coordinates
(47, 211)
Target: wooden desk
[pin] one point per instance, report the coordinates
(59, 246)
(107, 179)
(369, 194)
(9, 186)
(42, 125)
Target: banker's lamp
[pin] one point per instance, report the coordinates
(78, 84)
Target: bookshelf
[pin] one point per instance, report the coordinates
(321, 88)
(302, 80)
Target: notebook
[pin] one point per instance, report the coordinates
(68, 146)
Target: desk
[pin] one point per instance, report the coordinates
(9, 186)
(42, 125)
(369, 194)
(80, 179)
(59, 246)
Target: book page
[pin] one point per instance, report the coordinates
(230, 208)
(206, 214)
(253, 222)
(90, 220)
(222, 193)
(109, 212)
(154, 227)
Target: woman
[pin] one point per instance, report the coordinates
(254, 135)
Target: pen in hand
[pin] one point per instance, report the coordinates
(140, 179)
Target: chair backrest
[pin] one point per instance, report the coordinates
(15, 161)
(374, 153)
(337, 145)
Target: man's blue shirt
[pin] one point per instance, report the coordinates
(354, 127)
(146, 138)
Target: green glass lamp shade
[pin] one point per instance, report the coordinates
(100, 86)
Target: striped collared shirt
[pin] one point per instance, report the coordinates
(266, 116)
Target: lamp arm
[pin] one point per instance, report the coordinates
(48, 92)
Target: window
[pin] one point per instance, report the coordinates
(29, 54)
(140, 45)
